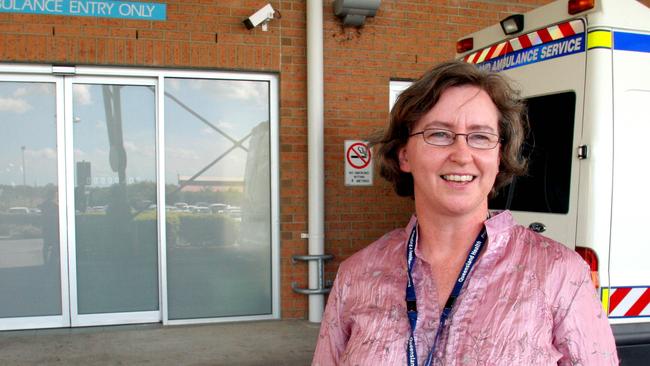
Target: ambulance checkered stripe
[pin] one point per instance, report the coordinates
(629, 302)
(531, 39)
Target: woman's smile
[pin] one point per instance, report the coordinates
(459, 178)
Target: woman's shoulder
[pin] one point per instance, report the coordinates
(385, 251)
(522, 244)
(551, 258)
(540, 244)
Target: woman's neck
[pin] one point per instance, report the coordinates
(445, 237)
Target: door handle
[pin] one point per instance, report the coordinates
(537, 227)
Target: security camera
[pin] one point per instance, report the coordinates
(261, 16)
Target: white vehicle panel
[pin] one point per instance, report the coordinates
(630, 244)
(560, 74)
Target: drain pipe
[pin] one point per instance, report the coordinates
(315, 122)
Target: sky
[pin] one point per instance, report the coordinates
(28, 119)
(28, 113)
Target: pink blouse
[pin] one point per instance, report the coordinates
(528, 301)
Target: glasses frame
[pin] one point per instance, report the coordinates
(454, 135)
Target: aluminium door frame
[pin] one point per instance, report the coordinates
(27, 72)
(15, 74)
(274, 122)
(112, 318)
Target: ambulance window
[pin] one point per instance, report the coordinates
(549, 147)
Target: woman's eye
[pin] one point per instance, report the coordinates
(440, 134)
(479, 137)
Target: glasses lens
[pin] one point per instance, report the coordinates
(439, 137)
(482, 140)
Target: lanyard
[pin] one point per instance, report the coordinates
(411, 300)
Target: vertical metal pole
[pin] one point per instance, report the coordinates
(315, 116)
(321, 273)
(22, 148)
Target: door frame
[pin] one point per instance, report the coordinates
(77, 319)
(61, 75)
(63, 319)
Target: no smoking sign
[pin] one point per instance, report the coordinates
(358, 163)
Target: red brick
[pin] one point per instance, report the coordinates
(123, 33)
(150, 34)
(11, 27)
(177, 36)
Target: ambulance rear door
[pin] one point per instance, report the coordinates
(548, 66)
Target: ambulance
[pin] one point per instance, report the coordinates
(583, 68)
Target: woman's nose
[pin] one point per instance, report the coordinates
(460, 150)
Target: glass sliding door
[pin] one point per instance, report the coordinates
(31, 251)
(114, 266)
(137, 195)
(218, 193)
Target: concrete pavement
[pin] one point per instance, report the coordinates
(285, 342)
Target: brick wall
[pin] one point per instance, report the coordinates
(403, 40)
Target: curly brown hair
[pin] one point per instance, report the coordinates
(423, 94)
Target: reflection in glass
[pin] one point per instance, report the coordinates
(115, 198)
(549, 148)
(30, 275)
(218, 198)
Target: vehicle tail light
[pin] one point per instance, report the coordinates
(464, 45)
(577, 6)
(591, 258)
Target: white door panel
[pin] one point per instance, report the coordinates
(630, 243)
(563, 74)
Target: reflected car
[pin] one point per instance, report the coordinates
(234, 212)
(96, 209)
(200, 210)
(218, 208)
(181, 205)
(18, 210)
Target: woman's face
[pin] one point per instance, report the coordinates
(454, 179)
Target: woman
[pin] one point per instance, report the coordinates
(458, 285)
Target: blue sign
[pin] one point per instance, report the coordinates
(546, 51)
(87, 8)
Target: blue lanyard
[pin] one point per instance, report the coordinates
(411, 299)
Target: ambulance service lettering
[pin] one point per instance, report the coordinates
(563, 47)
(88, 8)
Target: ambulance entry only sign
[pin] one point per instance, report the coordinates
(358, 163)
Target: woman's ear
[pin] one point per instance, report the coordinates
(404, 165)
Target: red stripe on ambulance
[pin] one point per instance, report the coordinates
(566, 29)
(525, 41)
(491, 53)
(544, 35)
(640, 304)
(629, 302)
(617, 296)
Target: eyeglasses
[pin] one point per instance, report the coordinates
(477, 140)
